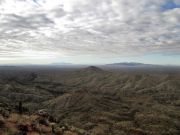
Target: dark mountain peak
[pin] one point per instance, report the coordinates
(92, 69)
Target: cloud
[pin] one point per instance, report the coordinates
(102, 28)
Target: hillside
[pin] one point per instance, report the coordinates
(94, 101)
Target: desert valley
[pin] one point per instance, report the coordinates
(89, 101)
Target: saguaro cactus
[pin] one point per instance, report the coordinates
(20, 108)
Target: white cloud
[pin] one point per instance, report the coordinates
(102, 28)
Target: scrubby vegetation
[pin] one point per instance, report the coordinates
(89, 101)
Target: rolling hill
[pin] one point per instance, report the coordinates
(96, 101)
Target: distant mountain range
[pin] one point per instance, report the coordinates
(113, 64)
(128, 64)
(64, 64)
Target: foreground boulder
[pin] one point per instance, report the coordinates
(44, 121)
(43, 113)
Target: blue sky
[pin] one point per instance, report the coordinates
(148, 59)
(169, 5)
(89, 31)
(157, 59)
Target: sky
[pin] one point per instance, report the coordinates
(89, 31)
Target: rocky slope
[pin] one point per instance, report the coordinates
(96, 102)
